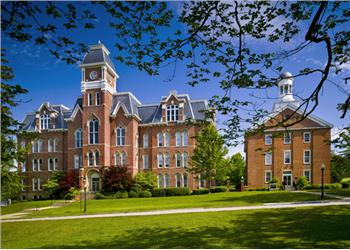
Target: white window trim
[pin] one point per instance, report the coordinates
(267, 171)
(90, 102)
(78, 139)
(160, 156)
(185, 137)
(178, 143)
(145, 162)
(307, 150)
(166, 139)
(99, 98)
(145, 141)
(265, 159)
(171, 111)
(284, 157)
(310, 176)
(120, 139)
(266, 137)
(290, 138)
(160, 139)
(309, 133)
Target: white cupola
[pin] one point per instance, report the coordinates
(285, 87)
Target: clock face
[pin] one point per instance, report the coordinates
(93, 75)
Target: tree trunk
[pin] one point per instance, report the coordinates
(209, 184)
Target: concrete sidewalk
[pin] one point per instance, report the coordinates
(192, 210)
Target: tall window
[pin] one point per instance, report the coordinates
(167, 160)
(160, 181)
(90, 101)
(268, 176)
(160, 160)
(178, 160)
(44, 121)
(120, 136)
(24, 167)
(37, 146)
(287, 157)
(52, 164)
(185, 180)
(307, 156)
(268, 158)
(77, 161)
(91, 159)
(36, 184)
(172, 113)
(145, 140)
(167, 180)
(123, 159)
(178, 139)
(97, 158)
(98, 99)
(145, 161)
(178, 180)
(160, 139)
(52, 144)
(185, 138)
(117, 159)
(307, 137)
(287, 138)
(78, 138)
(37, 165)
(307, 175)
(185, 159)
(268, 139)
(93, 131)
(166, 139)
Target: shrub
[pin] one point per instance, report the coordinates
(333, 186)
(274, 180)
(177, 191)
(146, 180)
(158, 192)
(258, 189)
(121, 195)
(73, 191)
(200, 191)
(134, 194)
(218, 189)
(115, 179)
(145, 194)
(99, 196)
(345, 184)
(301, 183)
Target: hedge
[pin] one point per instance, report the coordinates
(345, 184)
(160, 192)
(200, 191)
(145, 194)
(218, 189)
(121, 195)
(326, 186)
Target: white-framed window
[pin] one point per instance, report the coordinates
(78, 138)
(178, 159)
(166, 139)
(287, 156)
(93, 131)
(98, 98)
(178, 139)
(307, 156)
(44, 121)
(117, 159)
(77, 161)
(287, 138)
(185, 180)
(185, 138)
(172, 113)
(120, 136)
(90, 99)
(91, 159)
(268, 158)
(36, 184)
(166, 160)
(167, 180)
(145, 161)
(178, 180)
(307, 137)
(145, 140)
(160, 181)
(52, 145)
(23, 184)
(97, 158)
(185, 159)
(37, 165)
(307, 175)
(37, 146)
(160, 160)
(52, 164)
(268, 176)
(268, 139)
(123, 159)
(24, 166)
(160, 139)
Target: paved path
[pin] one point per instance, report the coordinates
(191, 210)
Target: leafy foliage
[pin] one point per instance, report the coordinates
(232, 171)
(62, 184)
(340, 167)
(146, 180)
(115, 179)
(301, 183)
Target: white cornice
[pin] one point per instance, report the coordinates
(103, 85)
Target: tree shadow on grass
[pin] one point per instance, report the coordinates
(282, 228)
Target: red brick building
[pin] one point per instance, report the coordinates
(288, 153)
(110, 128)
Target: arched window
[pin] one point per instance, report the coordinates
(97, 158)
(160, 139)
(185, 159)
(167, 180)
(37, 146)
(93, 131)
(91, 158)
(178, 139)
(95, 182)
(117, 159)
(178, 180)
(145, 140)
(178, 160)
(172, 113)
(185, 138)
(78, 138)
(51, 164)
(77, 161)
(52, 145)
(123, 159)
(166, 139)
(185, 180)
(44, 121)
(160, 181)
(167, 160)
(160, 160)
(120, 136)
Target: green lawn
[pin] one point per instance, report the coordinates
(308, 227)
(20, 206)
(160, 203)
(341, 192)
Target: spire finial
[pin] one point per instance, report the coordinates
(99, 41)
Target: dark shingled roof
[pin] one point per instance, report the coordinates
(130, 102)
(98, 55)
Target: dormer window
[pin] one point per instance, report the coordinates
(172, 113)
(44, 121)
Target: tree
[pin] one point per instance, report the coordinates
(10, 155)
(340, 167)
(115, 178)
(208, 156)
(60, 183)
(145, 180)
(232, 171)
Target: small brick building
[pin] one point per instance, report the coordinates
(291, 152)
(110, 128)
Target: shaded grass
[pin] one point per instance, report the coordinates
(341, 192)
(20, 206)
(175, 202)
(308, 227)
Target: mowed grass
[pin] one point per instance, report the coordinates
(307, 227)
(20, 206)
(160, 203)
(341, 192)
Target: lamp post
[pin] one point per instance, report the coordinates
(242, 182)
(84, 194)
(322, 176)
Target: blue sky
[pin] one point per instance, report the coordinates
(48, 79)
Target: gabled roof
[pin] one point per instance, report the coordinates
(129, 101)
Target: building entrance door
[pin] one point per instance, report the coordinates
(287, 179)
